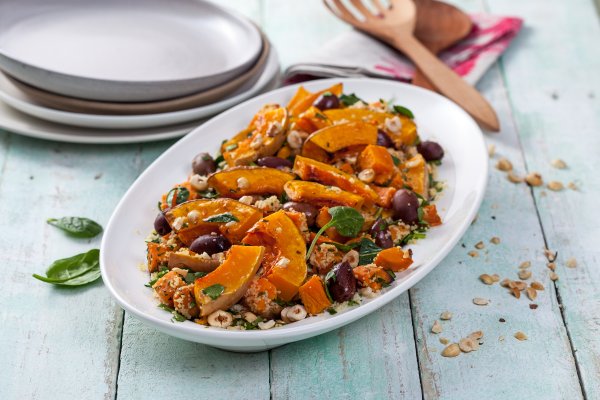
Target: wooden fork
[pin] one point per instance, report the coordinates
(395, 25)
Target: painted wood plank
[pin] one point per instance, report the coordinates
(298, 28)
(552, 74)
(373, 358)
(58, 342)
(503, 366)
(156, 365)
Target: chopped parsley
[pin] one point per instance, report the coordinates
(214, 291)
(225, 217)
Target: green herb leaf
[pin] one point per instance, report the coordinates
(345, 247)
(231, 147)
(73, 271)
(208, 194)
(180, 193)
(176, 315)
(367, 252)
(346, 220)
(192, 276)
(219, 159)
(321, 116)
(349, 99)
(77, 226)
(404, 111)
(162, 272)
(214, 291)
(352, 303)
(225, 217)
(414, 235)
(331, 310)
(396, 160)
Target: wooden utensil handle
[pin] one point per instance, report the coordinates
(448, 82)
(421, 80)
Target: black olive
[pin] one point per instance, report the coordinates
(203, 164)
(383, 139)
(405, 205)
(307, 209)
(327, 101)
(274, 162)
(210, 244)
(431, 151)
(383, 239)
(342, 285)
(378, 226)
(161, 225)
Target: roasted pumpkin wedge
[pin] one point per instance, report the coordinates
(321, 195)
(416, 175)
(263, 137)
(313, 296)
(312, 170)
(394, 258)
(405, 135)
(284, 261)
(185, 258)
(379, 160)
(337, 137)
(311, 150)
(303, 99)
(226, 285)
(200, 217)
(241, 181)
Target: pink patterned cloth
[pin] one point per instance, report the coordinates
(354, 54)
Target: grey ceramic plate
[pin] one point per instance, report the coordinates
(133, 50)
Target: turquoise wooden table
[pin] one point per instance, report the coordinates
(78, 344)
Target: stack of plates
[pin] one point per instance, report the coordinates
(125, 71)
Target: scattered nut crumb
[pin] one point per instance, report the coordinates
(533, 306)
(553, 276)
(537, 285)
(446, 316)
(559, 164)
(551, 266)
(524, 274)
(496, 278)
(485, 278)
(502, 320)
(505, 282)
(550, 255)
(473, 253)
(555, 186)
(517, 285)
(475, 335)
(436, 328)
(467, 345)
(480, 301)
(525, 264)
(516, 292)
(520, 336)
(504, 165)
(571, 263)
(501, 338)
(479, 245)
(534, 179)
(451, 350)
(444, 341)
(495, 240)
(512, 177)
(491, 150)
(572, 186)
(531, 293)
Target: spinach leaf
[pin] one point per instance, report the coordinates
(367, 252)
(349, 99)
(404, 111)
(225, 217)
(77, 226)
(346, 220)
(162, 272)
(179, 194)
(214, 291)
(73, 271)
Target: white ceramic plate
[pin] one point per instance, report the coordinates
(114, 50)
(23, 124)
(12, 96)
(464, 170)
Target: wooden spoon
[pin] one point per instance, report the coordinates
(439, 26)
(395, 25)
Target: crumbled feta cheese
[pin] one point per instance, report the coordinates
(256, 142)
(178, 223)
(283, 262)
(243, 183)
(193, 216)
(246, 200)
(270, 204)
(393, 124)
